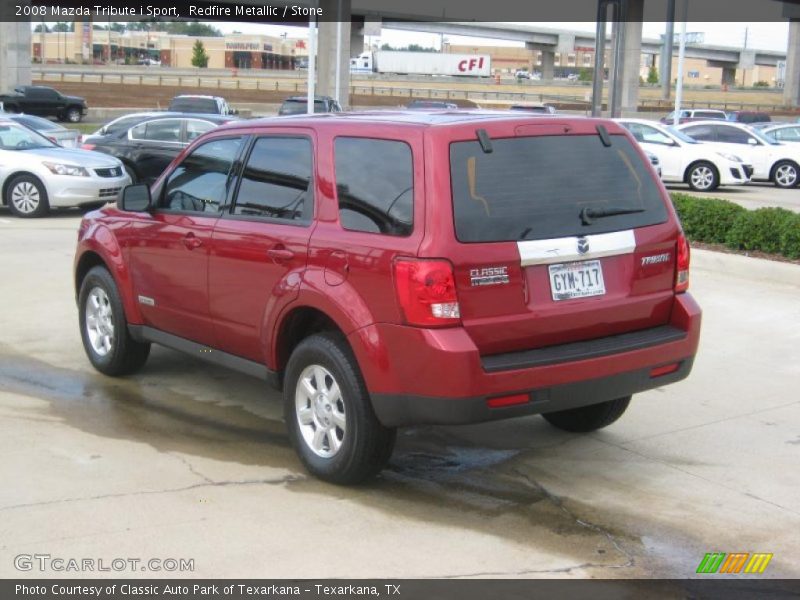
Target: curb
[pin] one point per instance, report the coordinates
(746, 267)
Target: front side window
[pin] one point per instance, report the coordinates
(375, 185)
(701, 132)
(200, 183)
(196, 128)
(276, 181)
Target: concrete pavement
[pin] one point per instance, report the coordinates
(752, 196)
(189, 461)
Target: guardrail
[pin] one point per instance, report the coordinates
(296, 85)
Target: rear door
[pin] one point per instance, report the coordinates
(260, 246)
(537, 263)
(154, 144)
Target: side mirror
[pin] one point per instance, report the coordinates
(135, 198)
(752, 141)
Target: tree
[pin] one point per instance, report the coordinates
(38, 28)
(652, 75)
(63, 27)
(199, 55)
(585, 74)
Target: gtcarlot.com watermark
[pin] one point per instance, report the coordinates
(45, 563)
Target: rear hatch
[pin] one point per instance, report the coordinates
(562, 236)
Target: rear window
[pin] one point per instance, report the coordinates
(198, 105)
(532, 188)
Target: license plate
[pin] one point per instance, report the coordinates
(577, 280)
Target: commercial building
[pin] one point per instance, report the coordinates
(236, 51)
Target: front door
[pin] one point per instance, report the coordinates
(169, 251)
(153, 145)
(260, 247)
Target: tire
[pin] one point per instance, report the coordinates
(786, 174)
(131, 173)
(26, 197)
(352, 446)
(702, 177)
(102, 319)
(588, 418)
(73, 115)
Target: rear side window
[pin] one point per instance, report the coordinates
(375, 185)
(163, 130)
(532, 188)
(276, 182)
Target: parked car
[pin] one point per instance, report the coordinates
(44, 101)
(36, 174)
(689, 115)
(748, 116)
(124, 122)
(207, 105)
(322, 255)
(522, 74)
(536, 108)
(68, 138)
(788, 133)
(147, 143)
(297, 105)
(685, 160)
(431, 104)
(772, 161)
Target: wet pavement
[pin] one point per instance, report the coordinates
(187, 460)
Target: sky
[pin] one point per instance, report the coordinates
(762, 36)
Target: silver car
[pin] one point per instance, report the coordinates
(68, 138)
(37, 174)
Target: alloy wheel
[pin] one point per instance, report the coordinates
(786, 175)
(702, 177)
(25, 197)
(320, 411)
(99, 321)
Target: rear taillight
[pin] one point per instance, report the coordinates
(87, 146)
(426, 291)
(682, 266)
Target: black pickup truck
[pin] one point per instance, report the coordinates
(45, 102)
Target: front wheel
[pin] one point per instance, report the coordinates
(27, 197)
(785, 174)
(104, 329)
(329, 414)
(588, 418)
(703, 177)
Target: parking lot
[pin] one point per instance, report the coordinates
(190, 461)
(753, 195)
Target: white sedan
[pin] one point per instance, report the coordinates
(685, 160)
(36, 174)
(785, 132)
(772, 161)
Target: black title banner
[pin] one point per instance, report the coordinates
(300, 11)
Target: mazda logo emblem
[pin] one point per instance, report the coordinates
(583, 245)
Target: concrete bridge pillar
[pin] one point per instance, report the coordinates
(791, 86)
(15, 55)
(333, 47)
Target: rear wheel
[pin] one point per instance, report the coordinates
(329, 414)
(785, 174)
(703, 177)
(104, 329)
(588, 418)
(27, 197)
(73, 115)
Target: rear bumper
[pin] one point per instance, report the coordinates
(399, 410)
(428, 376)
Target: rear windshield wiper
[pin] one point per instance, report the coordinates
(587, 214)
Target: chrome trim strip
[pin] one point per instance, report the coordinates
(558, 250)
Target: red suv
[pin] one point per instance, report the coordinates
(390, 269)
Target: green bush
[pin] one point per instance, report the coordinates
(772, 230)
(706, 220)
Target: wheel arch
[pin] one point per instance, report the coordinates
(12, 176)
(696, 162)
(298, 323)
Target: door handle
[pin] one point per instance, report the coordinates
(191, 241)
(280, 254)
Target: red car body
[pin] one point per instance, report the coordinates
(244, 288)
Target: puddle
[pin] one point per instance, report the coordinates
(434, 477)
